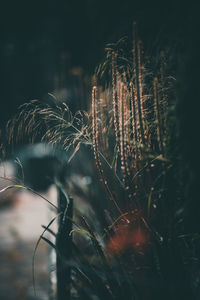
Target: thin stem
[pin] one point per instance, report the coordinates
(95, 146)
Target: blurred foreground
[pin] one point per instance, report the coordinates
(21, 217)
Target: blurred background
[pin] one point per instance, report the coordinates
(54, 47)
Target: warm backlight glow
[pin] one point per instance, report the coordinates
(127, 238)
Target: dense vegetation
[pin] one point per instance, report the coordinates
(135, 220)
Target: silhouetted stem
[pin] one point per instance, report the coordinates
(136, 58)
(64, 247)
(95, 146)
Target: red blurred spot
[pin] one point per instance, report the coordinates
(139, 237)
(127, 238)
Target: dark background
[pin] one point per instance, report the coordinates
(45, 45)
(40, 40)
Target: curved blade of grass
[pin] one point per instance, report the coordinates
(19, 186)
(118, 219)
(82, 231)
(49, 242)
(115, 221)
(36, 247)
(49, 230)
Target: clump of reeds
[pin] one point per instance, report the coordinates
(135, 119)
(127, 128)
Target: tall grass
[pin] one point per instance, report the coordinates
(133, 252)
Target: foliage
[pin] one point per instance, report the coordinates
(137, 247)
